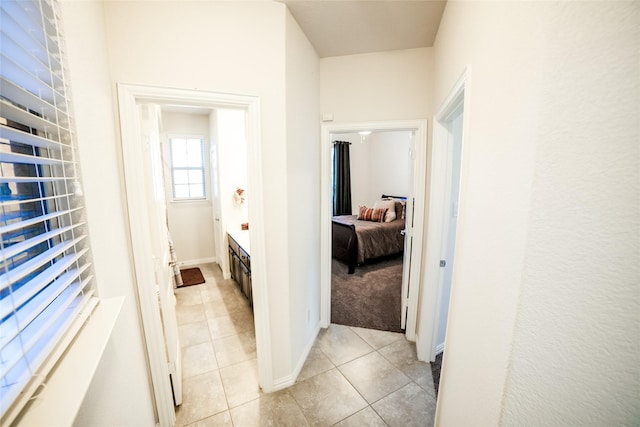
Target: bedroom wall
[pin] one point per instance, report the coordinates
(303, 187)
(379, 165)
(190, 223)
(119, 393)
(544, 319)
(389, 163)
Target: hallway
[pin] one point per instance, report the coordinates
(352, 377)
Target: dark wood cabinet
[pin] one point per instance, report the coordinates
(240, 266)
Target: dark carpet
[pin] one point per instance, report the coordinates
(435, 372)
(369, 298)
(191, 276)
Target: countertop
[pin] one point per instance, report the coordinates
(242, 238)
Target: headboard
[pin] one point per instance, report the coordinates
(386, 196)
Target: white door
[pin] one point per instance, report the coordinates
(163, 273)
(408, 231)
(218, 234)
(454, 155)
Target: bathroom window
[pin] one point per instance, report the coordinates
(187, 167)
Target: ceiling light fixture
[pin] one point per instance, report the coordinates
(363, 135)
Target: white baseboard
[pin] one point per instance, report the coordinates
(439, 348)
(193, 262)
(289, 380)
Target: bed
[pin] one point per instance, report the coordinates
(356, 242)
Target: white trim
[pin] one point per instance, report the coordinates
(199, 201)
(289, 380)
(192, 262)
(420, 129)
(429, 298)
(128, 96)
(58, 402)
(132, 153)
(171, 167)
(439, 348)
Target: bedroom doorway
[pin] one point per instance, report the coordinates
(416, 130)
(369, 294)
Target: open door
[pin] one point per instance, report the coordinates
(218, 229)
(446, 167)
(163, 274)
(450, 220)
(408, 231)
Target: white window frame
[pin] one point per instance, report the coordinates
(172, 168)
(49, 297)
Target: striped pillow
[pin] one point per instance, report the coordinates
(371, 214)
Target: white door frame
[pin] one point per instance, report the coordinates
(432, 281)
(132, 149)
(420, 129)
(214, 180)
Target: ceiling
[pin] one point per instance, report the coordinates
(346, 27)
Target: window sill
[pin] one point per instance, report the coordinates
(59, 401)
(190, 201)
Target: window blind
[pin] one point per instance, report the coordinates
(46, 280)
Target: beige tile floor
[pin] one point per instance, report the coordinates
(352, 377)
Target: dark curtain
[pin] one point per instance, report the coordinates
(341, 178)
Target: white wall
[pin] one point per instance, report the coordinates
(303, 188)
(246, 48)
(119, 393)
(232, 163)
(586, 210)
(544, 307)
(379, 165)
(359, 163)
(190, 223)
(392, 85)
(229, 47)
(389, 164)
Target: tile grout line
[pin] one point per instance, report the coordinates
(337, 367)
(214, 283)
(224, 390)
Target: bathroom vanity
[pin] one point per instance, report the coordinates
(240, 261)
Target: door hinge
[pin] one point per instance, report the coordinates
(443, 263)
(172, 367)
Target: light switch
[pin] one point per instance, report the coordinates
(327, 117)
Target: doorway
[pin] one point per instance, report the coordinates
(414, 231)
(453, 125)
(447, 159)
(137, 192)
(369, 294)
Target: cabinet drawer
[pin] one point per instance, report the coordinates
(234, 265)
(233, 245)
(245, 284)
(245, 258)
